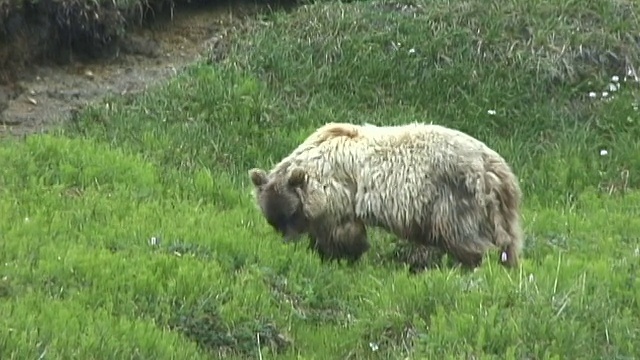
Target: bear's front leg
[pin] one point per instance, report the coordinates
(347, 241)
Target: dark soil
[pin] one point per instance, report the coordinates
(43, 85)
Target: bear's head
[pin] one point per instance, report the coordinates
(279, 197)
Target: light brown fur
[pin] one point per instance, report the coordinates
(425, 183)
(332, 131)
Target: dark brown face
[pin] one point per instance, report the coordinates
(281, 205)
(282, 208)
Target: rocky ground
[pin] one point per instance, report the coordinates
(44, 95)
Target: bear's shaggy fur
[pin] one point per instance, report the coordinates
(428, 184)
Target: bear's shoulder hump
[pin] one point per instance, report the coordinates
(333, 131)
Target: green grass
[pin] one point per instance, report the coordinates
(81, 277)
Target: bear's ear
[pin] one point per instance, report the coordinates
(258, 177)
(298, 177)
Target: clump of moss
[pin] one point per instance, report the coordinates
(205, 326)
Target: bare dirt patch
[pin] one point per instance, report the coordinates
(39, 96)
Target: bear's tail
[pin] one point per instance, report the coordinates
(504, 211)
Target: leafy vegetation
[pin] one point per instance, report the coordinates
(131, 232)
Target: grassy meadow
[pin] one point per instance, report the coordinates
(131, 233)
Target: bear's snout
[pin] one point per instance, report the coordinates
(290, 236)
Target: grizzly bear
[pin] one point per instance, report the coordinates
(428, 184)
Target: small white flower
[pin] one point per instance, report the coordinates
(615, 78)
(154, 241)
(613, 87)
(504, 257)
(411, 51)
(491, 112)
(592, 94)
(604, 152)
(605, 94)
(373, 346)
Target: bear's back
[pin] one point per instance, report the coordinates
(347, 147)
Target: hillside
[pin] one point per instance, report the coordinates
(130, 231)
